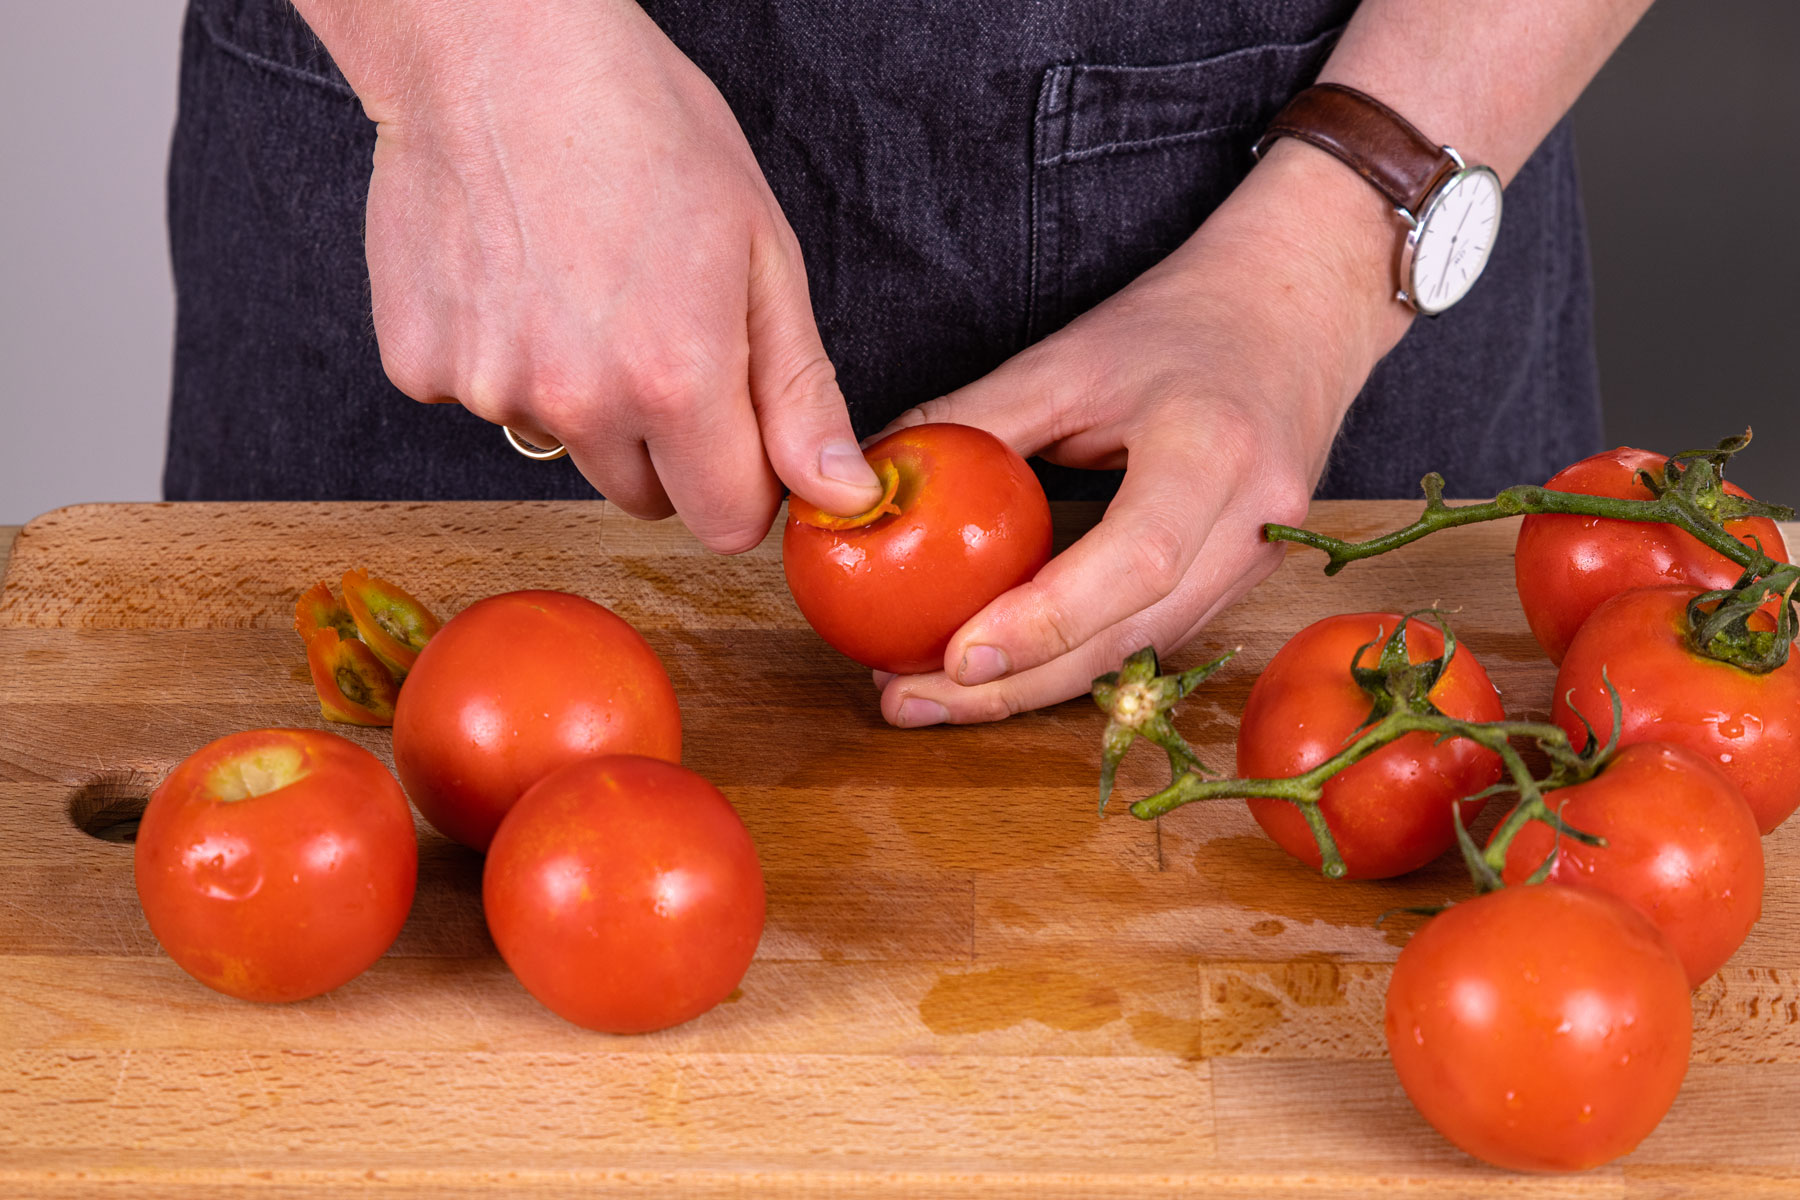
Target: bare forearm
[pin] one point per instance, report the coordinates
(370, 40)
(403, 55)
(1490, 77)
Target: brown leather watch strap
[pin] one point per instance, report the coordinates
(1372, 139)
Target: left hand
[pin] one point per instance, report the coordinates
(1217, 380)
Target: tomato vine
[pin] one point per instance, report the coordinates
(1139, 701)
(1690, 496)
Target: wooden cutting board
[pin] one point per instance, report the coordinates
(970, 982)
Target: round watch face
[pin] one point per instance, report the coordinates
(1453, 239)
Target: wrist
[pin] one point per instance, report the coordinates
(1310, 249)
(403, 56)
(1346, 237)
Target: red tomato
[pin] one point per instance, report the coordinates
(514, 687)
(1390, 813)
(972, 522)
(1565, 565)
(277, 864)
(1681, 847)
(624, 893)
(1748, 725)
(1540, 1028)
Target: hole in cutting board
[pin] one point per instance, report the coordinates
(109, 806)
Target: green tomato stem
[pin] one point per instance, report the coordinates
(1690, 495)
(1401, 707)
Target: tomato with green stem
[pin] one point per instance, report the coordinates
(1680, 846)
(1540, 1028)
(1391, 812)
(1746, 723)
(1566, 566)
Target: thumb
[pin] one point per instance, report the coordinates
(805, 427)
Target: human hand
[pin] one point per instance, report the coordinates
(568, 234)
(1217, 380)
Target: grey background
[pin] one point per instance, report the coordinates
(1690, 142)
(87, 101)
(1690, 151)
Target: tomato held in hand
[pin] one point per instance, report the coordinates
(625, 894)
(1681, 847)
(514, 687)
(1747, 725)
(1540, 1028)
(277, 864)
(1565, 566)
(1389, 813)
(966, 522)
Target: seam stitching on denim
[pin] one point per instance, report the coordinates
(1202, 64)
(1125, 147)
(268, 64)
(1034, 195)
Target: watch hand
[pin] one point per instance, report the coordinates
(1450, 255)
(1461, 223)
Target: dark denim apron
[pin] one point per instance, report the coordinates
(965, 176)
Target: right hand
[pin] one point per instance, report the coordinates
(568, 234)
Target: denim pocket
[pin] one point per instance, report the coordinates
(1128, 161)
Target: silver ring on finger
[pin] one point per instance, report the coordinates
(536, 453)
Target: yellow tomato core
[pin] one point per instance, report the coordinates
(886, 472)
(257, 773)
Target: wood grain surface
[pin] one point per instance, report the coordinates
(970, 982)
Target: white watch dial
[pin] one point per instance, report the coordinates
(1453, 240)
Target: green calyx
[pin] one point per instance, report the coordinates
(1719, 622)
(1395, 682)
(1137, 700)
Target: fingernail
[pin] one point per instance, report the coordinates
(842, 462)
(982, 664)
(916, 711)
(882, 678)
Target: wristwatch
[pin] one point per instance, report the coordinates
(1451, 210)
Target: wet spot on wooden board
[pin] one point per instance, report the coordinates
(1254, 873)
(1001, 997)
(1183, 1037)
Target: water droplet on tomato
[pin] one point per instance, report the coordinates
(223, 867)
